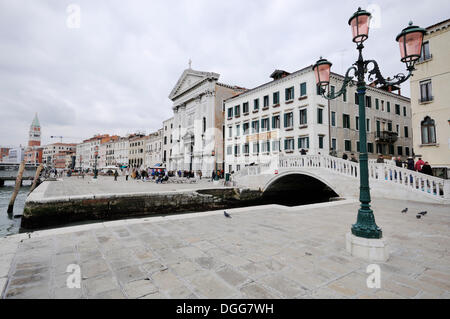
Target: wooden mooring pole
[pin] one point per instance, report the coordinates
(16, 188)
(36, 177)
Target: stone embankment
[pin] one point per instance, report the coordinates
(40, 212)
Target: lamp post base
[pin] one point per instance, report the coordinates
(367, 249)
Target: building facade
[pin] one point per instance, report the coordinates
(136, 155)
(50, 150)
(197, 133)
(167, 142)
(431, 100)
(154, 149)
(286, 115)
(87, 152)
(4, 152)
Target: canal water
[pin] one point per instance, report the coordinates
(10, 223)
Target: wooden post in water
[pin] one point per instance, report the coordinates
(36, 177)
(17, 187)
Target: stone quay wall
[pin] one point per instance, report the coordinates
(60, 211)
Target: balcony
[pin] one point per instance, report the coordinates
(386, 137)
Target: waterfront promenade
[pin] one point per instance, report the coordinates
(261, 252)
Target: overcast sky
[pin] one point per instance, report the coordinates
(114, 73)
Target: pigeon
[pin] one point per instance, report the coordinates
(423, 213)
(405, 210)
(418, 216)
(226, 214)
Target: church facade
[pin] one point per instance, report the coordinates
(198, 122)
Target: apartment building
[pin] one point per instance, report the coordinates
(287, 114)
(136, 155)
(154, 149)
(167, 142)
(430, 100)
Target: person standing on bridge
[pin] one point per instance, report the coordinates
(115, 175)
(419, 164)
(353, 158)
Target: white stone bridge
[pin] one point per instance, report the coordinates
(342, 177)
(9, 171)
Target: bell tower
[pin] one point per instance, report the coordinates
(34, 135)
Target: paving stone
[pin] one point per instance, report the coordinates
(139, 288)
(93, 268)
(110, 294)
(166, 280)
(155, 295)
(286, 287)
(255, 291)
(231, 276)
(208, 286)
(185, 268)
(191, 252)
(152, 267)
(97, 285)
(28, 292)
(130, 273)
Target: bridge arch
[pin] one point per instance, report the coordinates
(292, 183)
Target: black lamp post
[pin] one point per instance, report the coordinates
(410, 41)
(95, 162)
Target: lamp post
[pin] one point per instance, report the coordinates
(95, 162)
(410, 42)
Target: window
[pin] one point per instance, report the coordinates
(388, 107)
(382, 105)
(333, 143)
(265, 125)
(407, 151)
(204, 124)
(404, 111)
(245, 148)
(425, 91)
(265, 146)
(320, 115)
(238, 130)
(230, 112)
(425, 52)
(237, 150)
(303, 117)
(318, 90)
(255, 147)
(367, 125)
(406, 131)
(245, 127)
(230, 131)
(390, 126)
(303, 89)
(266, 101)
(165, 140)
(288, 120)
(276, 146)
(357, 146)
(256, 104)
(255, 127)
(276, 98)
(377, 104)
(275, 121)
(333, 118)
(391, 149)
(321, 141)
(356, 98)
(370, 147)
(397, 109)
(303, 142)
(229, 150)
(346, 120)
(368, 101)
(289, 144)
(245, 107)
(400, 150)
(428, 131)
(344, 96)
(238, 167)
(348, 145)
(357, 123)
(289, 95)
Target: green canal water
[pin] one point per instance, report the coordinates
(10, 223)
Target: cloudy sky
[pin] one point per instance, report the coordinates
(114, 73)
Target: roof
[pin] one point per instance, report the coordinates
(437, 24)
(202, 76)
(36, 121)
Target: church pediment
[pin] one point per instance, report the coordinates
(189, 79)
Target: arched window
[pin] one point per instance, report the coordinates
(428, 131)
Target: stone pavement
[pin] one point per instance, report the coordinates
(261, 252)
(76, 186)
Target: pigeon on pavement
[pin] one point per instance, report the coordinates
(418, 216)
(423, 213)
(405, 210)
(226, 214)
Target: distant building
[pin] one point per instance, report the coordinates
(88, 150)
(33, 153)
(4, 152)
(15, 155)
(153, 149)
(50, 150)
(136, 155)
(430, 97)
(167, 142)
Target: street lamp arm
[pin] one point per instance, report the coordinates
(375, 74)
(347, 81)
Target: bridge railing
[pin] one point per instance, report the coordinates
(416, 181)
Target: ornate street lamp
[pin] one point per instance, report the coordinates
(410, 41)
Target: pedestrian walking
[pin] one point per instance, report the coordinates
(380, 159)
(115, 175)
(344, 156)
(426, 169)
(419, 164)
